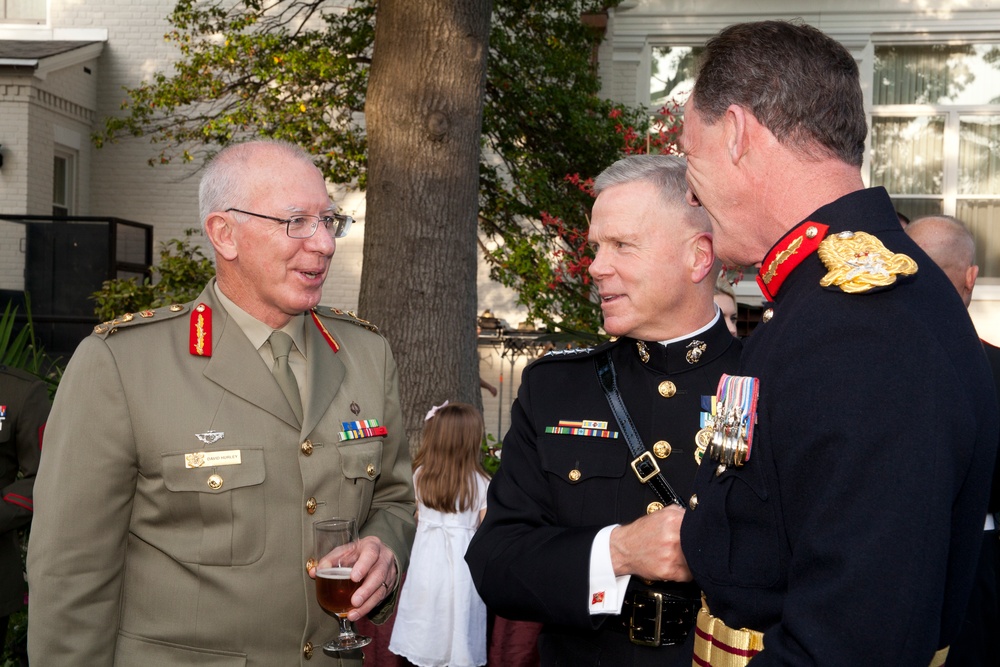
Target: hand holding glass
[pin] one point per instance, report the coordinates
(336, 550)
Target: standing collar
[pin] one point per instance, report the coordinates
(869, 210)
(682, 354)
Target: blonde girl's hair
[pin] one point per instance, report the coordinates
(449, 458)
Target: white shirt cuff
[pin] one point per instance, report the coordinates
(607, 592)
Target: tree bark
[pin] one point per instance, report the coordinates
(424, 118)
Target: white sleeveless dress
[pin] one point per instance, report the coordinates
(440, 618)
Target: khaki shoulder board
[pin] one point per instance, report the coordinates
(105, 329)
(346, 316)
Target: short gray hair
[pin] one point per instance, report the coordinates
(664, 172)
(224, 183)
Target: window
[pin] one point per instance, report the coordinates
(63, 181)
(936, 136)
(22, 11)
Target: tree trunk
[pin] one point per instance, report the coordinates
(424, 118)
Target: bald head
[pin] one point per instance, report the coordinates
(947, 241)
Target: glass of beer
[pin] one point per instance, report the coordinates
(336, 542)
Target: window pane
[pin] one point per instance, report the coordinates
(978, 156)
(908, 154)
(671, 75)
(33, 10)
(130, 244)
(937, 74)
(59, 180)
(983, 219)
(915, 208)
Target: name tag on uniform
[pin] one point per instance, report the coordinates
(229, 457)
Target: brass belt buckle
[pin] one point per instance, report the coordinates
(649, 458)
(657, 614)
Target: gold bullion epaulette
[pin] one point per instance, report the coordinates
(346, 316)
(141, 317)
(857, 262)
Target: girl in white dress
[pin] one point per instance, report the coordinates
(440, 619)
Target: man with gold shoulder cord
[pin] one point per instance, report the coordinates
(582, 531)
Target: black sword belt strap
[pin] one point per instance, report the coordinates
(643, 463)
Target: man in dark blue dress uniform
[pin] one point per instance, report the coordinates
(948, 242)
(572, 537)
(837, 516)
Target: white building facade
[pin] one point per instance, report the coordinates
(930, 89)
(930, 72)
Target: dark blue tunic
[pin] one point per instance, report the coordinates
(530, 559)
(851, 535)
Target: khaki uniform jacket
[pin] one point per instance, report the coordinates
(24, 406)
(135, 558)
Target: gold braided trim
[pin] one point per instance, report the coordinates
(717, 645)
(940, 657)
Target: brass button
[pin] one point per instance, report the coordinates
(574, 475)
(307, 651)
(215, 482)
(811, 232)
(667, 389)
(310, 564)
(311, 505)
(693, 503)
(307, 447)
(654, 506)
(662, 449)
(371, 469)
(176, 307)
(768, 314)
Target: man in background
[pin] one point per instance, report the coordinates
(951, 246)
(24, 407)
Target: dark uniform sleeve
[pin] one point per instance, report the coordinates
(28, 414)
(526, 567)
(856, 477)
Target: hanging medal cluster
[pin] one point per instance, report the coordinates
(728, 433)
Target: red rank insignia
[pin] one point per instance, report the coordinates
(597, 598)
(200, 337)
(787, 254)
(326, 334)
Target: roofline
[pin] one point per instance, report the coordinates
(42, 67)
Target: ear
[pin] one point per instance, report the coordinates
(221, 231)
(971, 274)
(737, 132)
(703, 254)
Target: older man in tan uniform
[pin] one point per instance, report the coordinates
(179, 483)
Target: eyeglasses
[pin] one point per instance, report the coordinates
(305, 226)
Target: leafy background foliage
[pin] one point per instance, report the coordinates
(297, 70)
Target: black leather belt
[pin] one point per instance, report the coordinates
(652, 618)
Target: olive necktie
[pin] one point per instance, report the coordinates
(281, 345)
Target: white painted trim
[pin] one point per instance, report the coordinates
(36, 33)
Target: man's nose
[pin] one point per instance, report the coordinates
(322, 242)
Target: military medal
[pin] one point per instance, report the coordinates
(364, 428)
(729, 434)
